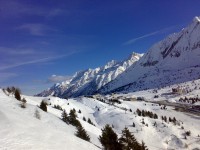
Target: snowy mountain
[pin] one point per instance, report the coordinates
(89, 81)
(175, 59)
(170, 61)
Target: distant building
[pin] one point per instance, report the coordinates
(178, 90)
(130, 99)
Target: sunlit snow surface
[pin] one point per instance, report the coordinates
(21, 130)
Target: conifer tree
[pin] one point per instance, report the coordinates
(72, 113)
(43, 106)
(109, 139)
(143, 146)
(128, 141)
(72, 118)
(155, 116)
(81, 133)
(17, 94)
(65, 116)
(138, 112)
(84, 119)
(89, 121)
(170, 120)
(165, 118)
(8, 90)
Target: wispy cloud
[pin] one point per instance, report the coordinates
(36, 29)
(46, 59)
(58, 78)
(131, 41)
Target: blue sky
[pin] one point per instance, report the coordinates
(42, 38)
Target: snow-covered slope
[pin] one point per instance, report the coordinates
(173, 60)
(89, 81)
(21, 130)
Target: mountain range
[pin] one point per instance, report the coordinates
(173, 60)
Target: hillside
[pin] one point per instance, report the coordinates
(22, 130)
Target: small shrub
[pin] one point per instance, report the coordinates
(24, 100)
(23, 105)
(37, 114)
(8, 90)
(188, 133)
(58, 107)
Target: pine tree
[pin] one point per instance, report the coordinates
(165, 118)
(89, 121)
(143, 113)
(13, 89)
(170, 120)
(17, 94)
(174, 121)
(155, 116)
(143, 147)
(81, 133)
(79, 111)
(84, 119)
(138, 112)
(64, 116)
(109, 139)
(155, 124)
(128, 141)
(72, 118)
(72, 113)
(43, 106)
(8, 90)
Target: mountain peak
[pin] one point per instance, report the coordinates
(196, 19)
(110, 64)
(134, 55)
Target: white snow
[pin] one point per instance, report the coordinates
(22, 130)
(90, 80)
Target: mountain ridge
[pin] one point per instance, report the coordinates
(175, 59)
(176, 54)
(92, 79)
